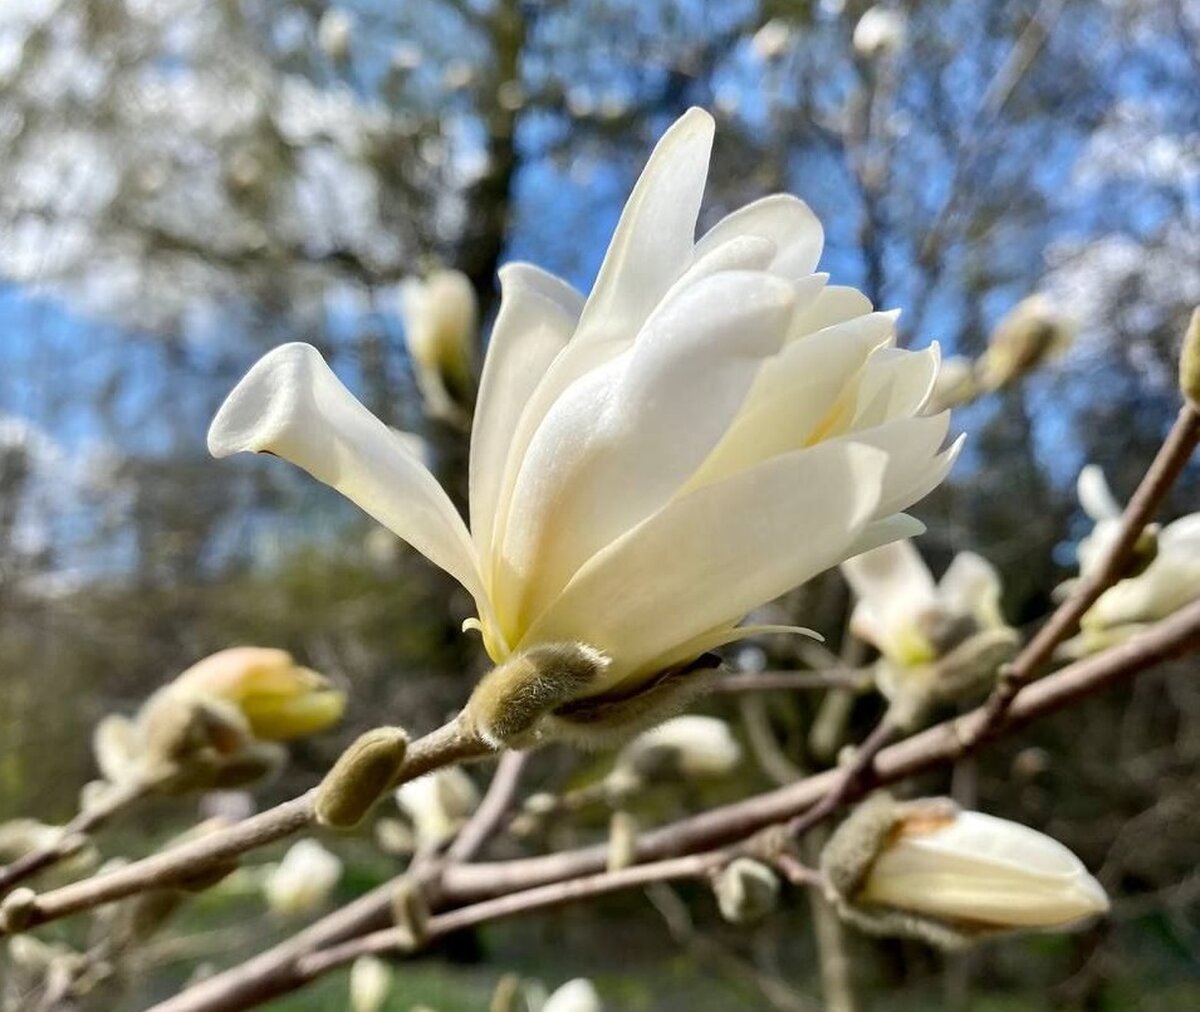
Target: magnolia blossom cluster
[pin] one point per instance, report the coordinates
(937, 641)
(217, 724)
(1164, 574)
(711, 427)
(303, 881)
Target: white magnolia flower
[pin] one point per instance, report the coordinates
(693, 746)
(370, 982)
(1170, 580)
(710, 428)
(879, 32)
(578, 995)
(910, 619)
(978, 870)
(1033, 331)
(772, 40)
(438, 804)
(303, 880)
(441, 317)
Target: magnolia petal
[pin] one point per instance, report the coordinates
(641, 597)
(796, 395)
(712, 640)
(882, 532)
(971, 586)
(654, 239)
(836, 304)
(290, 404)
(896, 383)
(622, 440)
(538, 313)
(786, 220)
(891, 583)
(914, 465)
(1095, 496)
(985, 870)
(1182, 536)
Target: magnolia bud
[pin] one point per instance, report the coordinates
(438, 804)
(335, 31)
(578, 995)
(17, 910)
(303, 880)
(510, 700)
(360, 777)
(1028, 336)
(279, 699)
(441, 318)
(879, 32)
(927, 869)
(954, 385)
(746, 890)
(1189, 361)
(772, 40)
(690, 747)
(410, 910)
(115, 744)
(370, 982)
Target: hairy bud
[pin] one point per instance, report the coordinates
(746, 891)
(360, 777)
(510, 700)
(1189, 361)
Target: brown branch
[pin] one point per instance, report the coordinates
(184, 863)
(1170, 460)
(71, 836)
(484, 888)
(491, 811)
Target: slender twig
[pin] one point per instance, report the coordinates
(539, 898)
(185, 862)
(71, 836)
(1170, 460)
(492, 809)
(484, 888)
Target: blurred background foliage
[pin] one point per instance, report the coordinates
(186, 183)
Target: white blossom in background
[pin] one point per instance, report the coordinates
(438, 804)
(578, 995)
(335, 33)
(936, 639)
(975, 869)
(880, 32)
(303, 880)
(711, 427)
(1165, 577)
(693, 747)
(441, 321)
(772, 40)
(370, 982)
(955, 384)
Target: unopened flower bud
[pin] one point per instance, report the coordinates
(879, 32)
(1189, 361)
(510, 700)
(370, 982)
(1033, 332)
(115, 744)
(927, 869)
(410, 910)
(438, 804)
(578, 995)
(17, 910)
(279, 699)
(335, 31)
(441, 319)
(772, 40)
(690, 747)
(360, 777)
(955, 385)
(746, 890)
(303, 880)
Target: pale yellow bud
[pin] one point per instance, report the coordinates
(879, 32)
(441, 321)
(1033, 332)
(303, 880)
(279, 699)
(1189, 361)
(370, 982)
(978, 870)
(578, 995)
(335, 31)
